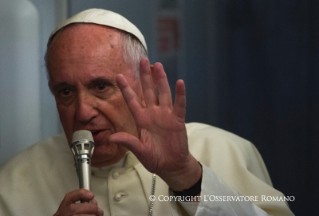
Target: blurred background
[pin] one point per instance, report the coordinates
(250, 67)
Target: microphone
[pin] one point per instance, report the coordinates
(82, 147)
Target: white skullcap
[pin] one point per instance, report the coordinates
(106, 18)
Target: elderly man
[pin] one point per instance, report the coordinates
(146, 161)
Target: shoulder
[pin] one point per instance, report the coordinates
(224, 152)
(38, 156)
(206, 135)
(45, 167)
(39, 151)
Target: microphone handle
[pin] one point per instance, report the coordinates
(84, 171)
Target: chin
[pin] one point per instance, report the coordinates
(105, 157)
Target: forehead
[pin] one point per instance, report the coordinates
(76, 37)
(82, 46)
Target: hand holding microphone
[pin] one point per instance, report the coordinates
(82, 147)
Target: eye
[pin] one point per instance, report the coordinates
(65, 95)
(65, 92)
(101, 86)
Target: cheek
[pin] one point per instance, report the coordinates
(126, 119)
(122, 108)
(64, 114)
(119, 114)
(66, 119)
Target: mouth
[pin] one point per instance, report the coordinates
(98, 134)
(95, 132)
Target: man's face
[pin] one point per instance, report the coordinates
(83, 61)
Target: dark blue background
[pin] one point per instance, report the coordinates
(266, 75)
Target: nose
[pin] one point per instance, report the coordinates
(86, 109)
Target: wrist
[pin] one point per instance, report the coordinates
(187, 179)
(193, 191)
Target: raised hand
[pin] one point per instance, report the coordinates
(161, 145)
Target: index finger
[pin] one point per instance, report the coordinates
(148, 86)
(79, 194)
(132, 100)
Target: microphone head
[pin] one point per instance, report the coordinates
(82, 143)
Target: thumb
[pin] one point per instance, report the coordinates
(129, 141)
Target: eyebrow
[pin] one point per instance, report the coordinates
(92, 82)
(100, 80)
(59, 86)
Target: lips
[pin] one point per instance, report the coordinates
(98, 135)
(95, 132)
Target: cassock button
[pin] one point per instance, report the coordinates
(119, 196)
(116, 175)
